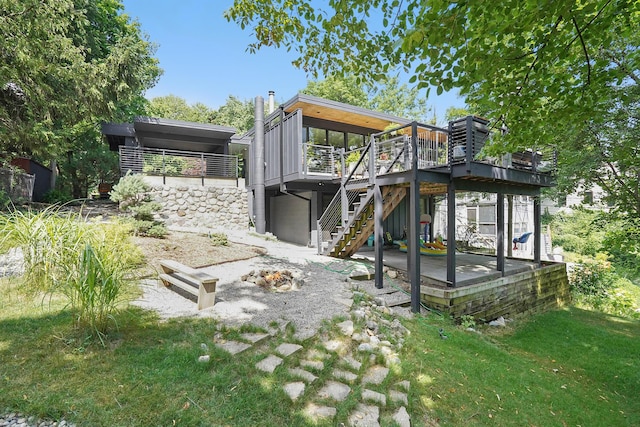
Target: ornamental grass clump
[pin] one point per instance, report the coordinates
(90, 264)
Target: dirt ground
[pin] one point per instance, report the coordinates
(194, 250)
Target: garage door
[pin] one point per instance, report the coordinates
(290, 218)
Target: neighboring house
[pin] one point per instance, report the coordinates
(43, 182)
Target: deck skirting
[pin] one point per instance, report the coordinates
(526, 292)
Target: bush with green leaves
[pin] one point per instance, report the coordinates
(132, 194)
(591, 278)
(595, 286)
(131, 190)
(91, 264)
(219, 239)
(580, 232)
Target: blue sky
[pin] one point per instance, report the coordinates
(204, 57)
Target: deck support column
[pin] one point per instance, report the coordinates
(510, 225)
(413, 237)
(378, 216)
(451, 235)
(500, 236)
(431, 210)
(537, 229)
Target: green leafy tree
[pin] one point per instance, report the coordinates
(236, 113)
(559, 74)
(176, 108)
(65, 66)
(345, 89)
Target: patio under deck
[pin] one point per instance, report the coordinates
(481, 291)
(470, 268)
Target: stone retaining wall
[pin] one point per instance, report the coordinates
(522, 293)
(202, 206)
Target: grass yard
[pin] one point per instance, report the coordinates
(569, 367)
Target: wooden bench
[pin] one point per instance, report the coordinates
(196, 282)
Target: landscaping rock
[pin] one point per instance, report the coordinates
(365, 416)
(269, 364)
(314, 411)
(375, 375)
(334, 390)
(287, 349)
(233, 347)
(374, 396)
(402, 417)
(294, 390)
(305, 375)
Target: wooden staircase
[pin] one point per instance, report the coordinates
(360, 225)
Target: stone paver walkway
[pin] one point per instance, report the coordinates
(347, 358)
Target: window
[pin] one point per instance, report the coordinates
(336, 139)
(317, 136)
(355, 140)
(482, 218)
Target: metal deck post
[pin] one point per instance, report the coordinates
(413, 238)
(451, 235)
(537, 228)
(378, 235)
(500, 236)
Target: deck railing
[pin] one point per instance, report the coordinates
(153, 161)
(320, 160)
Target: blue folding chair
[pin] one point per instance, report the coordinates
(522, 239)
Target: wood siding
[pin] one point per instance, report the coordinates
(523, 293)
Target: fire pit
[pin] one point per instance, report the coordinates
(274, 280)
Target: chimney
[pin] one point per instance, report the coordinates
(272, 101)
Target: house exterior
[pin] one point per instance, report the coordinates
(307, 141)
(194, 169)
(331, 175)
(169, 150)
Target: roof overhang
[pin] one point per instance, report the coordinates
(339, 112)
(116, 133)
(179, 135)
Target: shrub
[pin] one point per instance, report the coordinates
(5, 200)
(219, 239)
(56, 196)
(131, 190)
(132, 194)
(591, 278)
(595, 286)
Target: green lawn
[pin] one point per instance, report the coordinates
(568, 367)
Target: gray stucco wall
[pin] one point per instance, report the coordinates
(202, 206)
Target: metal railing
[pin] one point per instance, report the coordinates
(320, 159)
(153, 161)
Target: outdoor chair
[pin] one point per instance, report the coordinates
(522, 239)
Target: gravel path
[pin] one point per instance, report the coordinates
(323, 295)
